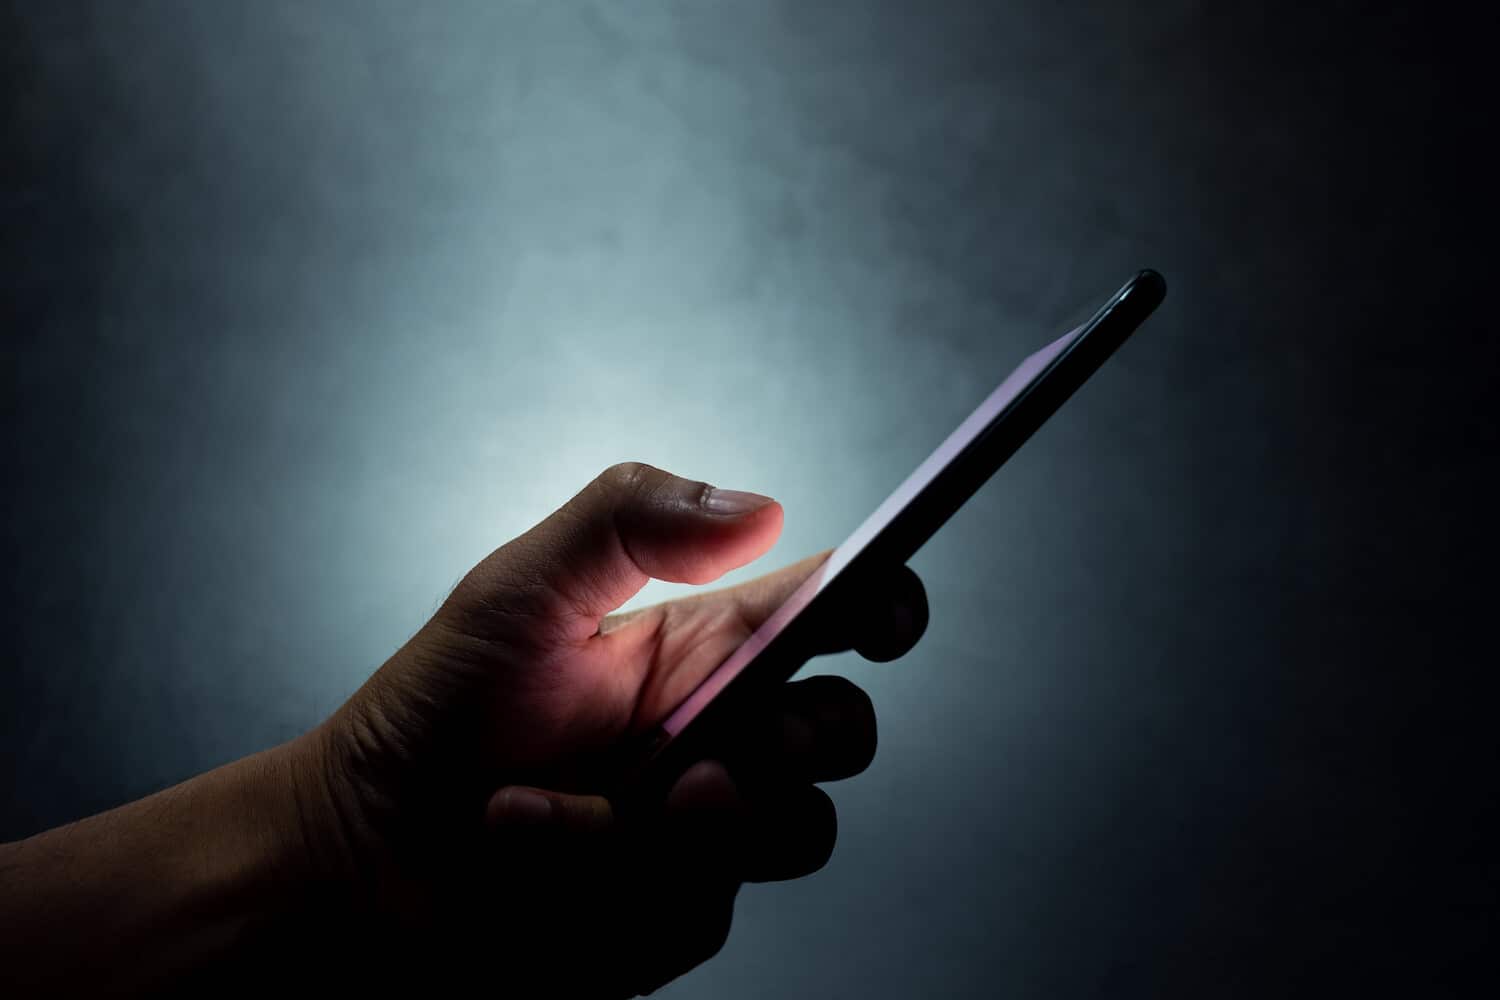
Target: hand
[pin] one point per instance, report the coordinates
(459, 793)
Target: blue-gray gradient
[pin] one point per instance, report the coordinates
(311, 305)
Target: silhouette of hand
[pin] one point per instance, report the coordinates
(459, 788)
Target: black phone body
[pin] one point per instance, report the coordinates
(888, 537)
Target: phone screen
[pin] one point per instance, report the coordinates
(993, 406)
(1000, 424)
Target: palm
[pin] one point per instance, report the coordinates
(630, 674)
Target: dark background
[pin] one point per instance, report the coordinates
(308, 306)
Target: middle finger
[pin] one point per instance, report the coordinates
(819, 729)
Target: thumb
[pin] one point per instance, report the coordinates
(632, 523)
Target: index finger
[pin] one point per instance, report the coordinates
(881, 616)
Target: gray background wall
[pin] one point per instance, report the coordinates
(309, 306)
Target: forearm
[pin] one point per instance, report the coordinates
(141, 895)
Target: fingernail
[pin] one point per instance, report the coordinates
(732, 502)
(706, 787)
(523, 807)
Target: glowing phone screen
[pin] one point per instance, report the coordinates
(993, 406)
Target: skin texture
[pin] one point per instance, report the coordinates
(446, 825)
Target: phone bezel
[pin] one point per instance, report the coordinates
(659, 757)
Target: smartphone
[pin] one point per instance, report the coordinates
(888, 537)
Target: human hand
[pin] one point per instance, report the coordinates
(459, 787)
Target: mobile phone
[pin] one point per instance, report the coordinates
(888, 537)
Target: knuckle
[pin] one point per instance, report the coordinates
(825, 826)
(861, 705)
(864, 752)
(623, 477)
(912, 580)
(830, 818)
(839, 700)
(914, 597)
(631, 483)
(845, 714)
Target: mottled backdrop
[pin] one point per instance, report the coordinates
(310, 305)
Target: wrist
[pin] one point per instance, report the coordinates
(344, 815)
(319, 844)
(266, 858)
(276, 869)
